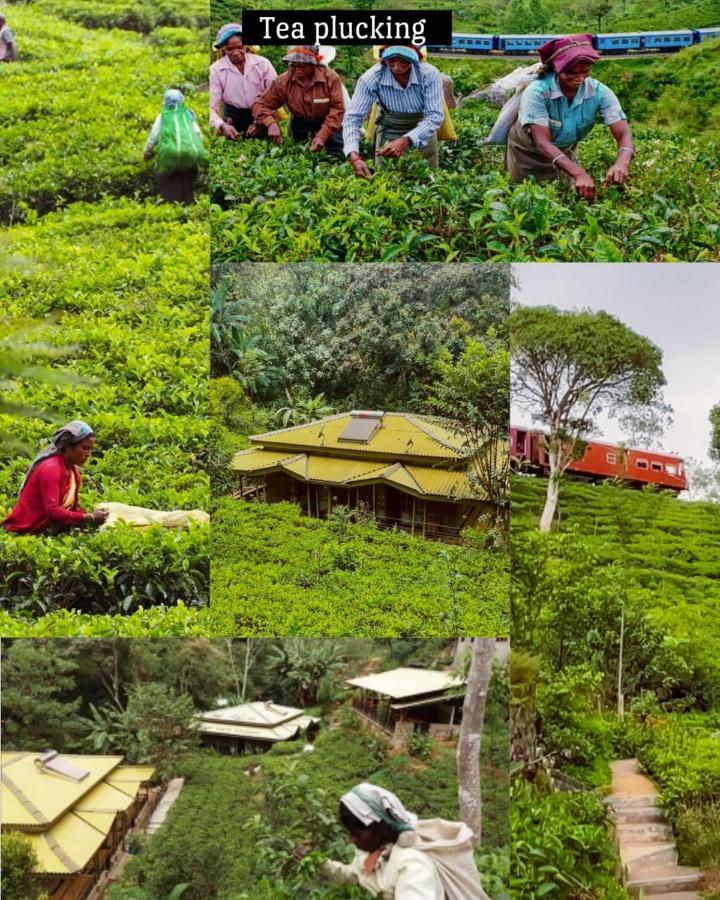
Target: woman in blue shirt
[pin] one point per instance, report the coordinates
(558, 110)
(409, 95)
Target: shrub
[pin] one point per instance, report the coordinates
(19, 864)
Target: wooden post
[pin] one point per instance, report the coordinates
(329, 496)
(309, 506)
(424, 516)
(374, 503)
(412, 527)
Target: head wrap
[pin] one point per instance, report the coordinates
(67, 436)
(564, 52)
(370, 803)
(173, 99)
(310, 55)
(226, 32)
(412, 54)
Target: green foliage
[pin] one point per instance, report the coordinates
(107, 90)
(562, 846)
(657, 555)
(38, 710)
(158, 621)
(120, 281)
(420, 746)
(715, 437)
(283, 203)
(277, 572)
(19, 864)
(134, 15)
(232, 836)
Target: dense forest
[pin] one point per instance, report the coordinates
(292, 344)
(101, 320)
(228, 832)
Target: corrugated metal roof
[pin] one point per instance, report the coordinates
(420, 480)
(82, 813)
(401, 434)
(283, 732)
(255, 460)
(257, 713)
(407, 682)
(31, 797)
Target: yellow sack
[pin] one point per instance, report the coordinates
(446, 132)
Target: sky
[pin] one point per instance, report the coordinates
(676, 305)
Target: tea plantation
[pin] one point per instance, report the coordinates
(283, 203)
(103, 289)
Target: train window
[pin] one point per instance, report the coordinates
(656, 466)
(611, 458)
(641, 463)
(670, 469)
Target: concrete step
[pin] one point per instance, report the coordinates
(677, 895)
(639, 858)
(644, 832)
(629, 801)
(650, 814)
(665, 880)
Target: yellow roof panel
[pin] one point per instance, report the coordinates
(441, 483)
(400, 434)
(68, 846)
(101, 821)
(336, 470)
(108, 797)
(255, 460)
(31, 797)
(131, 773)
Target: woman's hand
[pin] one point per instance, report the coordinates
(274, 133)
(229, 131)
(98, 517)
(300, 852)
(360, 167)
(395, 148)
(585, 186)
(617, 173)
(316, 144)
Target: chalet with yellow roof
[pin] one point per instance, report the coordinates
(75, 811)
(407, 470)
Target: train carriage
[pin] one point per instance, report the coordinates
(667, 40)
(601, 461)
(617, 42)
(701, 35)
(522, 43)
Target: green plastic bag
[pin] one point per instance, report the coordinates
(180, 147)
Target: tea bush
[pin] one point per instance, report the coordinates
(118, 285)
(82, 137)
(562, 846)
(157, 621)
(134, 15)
(231, 836)
(277, 572)
(284, 203)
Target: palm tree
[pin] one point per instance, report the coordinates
(303, 664)
(302, 409)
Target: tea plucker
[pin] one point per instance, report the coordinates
(409, 96)
(400, 857)
(559, 110)
(237, 79)
(8, 47)
(49, 494)
(312, 92)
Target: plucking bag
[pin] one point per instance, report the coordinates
(508, 90)
(180, 147)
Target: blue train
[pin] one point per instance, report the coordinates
(612, 43)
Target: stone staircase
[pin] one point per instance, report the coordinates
(645, 839)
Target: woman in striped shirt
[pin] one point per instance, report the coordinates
(409, 96)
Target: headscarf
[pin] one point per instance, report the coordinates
(412, 54)
(173, 99)
(564, 52)
(67, 436)
(310, 55)
(226, 32)
(370, 803)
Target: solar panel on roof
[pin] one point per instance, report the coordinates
(361, 427)
(51, 762)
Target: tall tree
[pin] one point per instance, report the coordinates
(39, 711)
(715, 434)
(570, 366)
(471, 733)
(474, 391)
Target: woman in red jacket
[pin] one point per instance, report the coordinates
(48, 499)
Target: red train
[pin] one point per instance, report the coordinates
(601, 461)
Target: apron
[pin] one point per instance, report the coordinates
(522, 158)
(392, 125)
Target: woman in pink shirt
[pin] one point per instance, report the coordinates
(236, 81)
